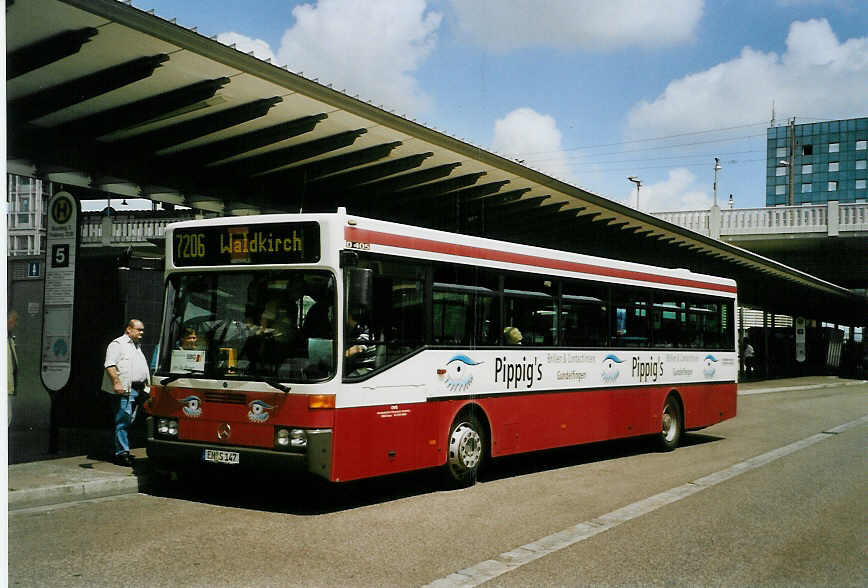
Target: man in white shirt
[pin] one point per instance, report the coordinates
(126, 378)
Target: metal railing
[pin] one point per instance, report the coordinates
(121, 229)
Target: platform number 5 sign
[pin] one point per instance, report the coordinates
(60, 255)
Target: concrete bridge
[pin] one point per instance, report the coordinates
(127, 229)
(828, 240)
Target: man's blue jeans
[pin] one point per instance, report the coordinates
(125, 414)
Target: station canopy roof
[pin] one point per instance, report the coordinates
(108, 99)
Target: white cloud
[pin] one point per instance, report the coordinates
(260, 48)
(369, 48)
(504, 25)
(525, 134)
(817, 76)
(677, 192)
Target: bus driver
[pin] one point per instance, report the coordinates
(361, 353)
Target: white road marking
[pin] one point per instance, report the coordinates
(510, 560)
(807, 387)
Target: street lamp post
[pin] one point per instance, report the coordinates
(717, 168)
(638, 183)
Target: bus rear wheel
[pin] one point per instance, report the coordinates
(466, 451)
(671, 424)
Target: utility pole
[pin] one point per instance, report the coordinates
(791, 199)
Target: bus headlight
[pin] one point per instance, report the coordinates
(167, 427)
(293, 439)
(298, 439)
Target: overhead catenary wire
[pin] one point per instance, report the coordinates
(677, 157)
(674, 157)
(655, 148)
(559, 154)
(661, 138)
(684, 164)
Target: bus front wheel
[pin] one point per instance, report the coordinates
(671, 424)
(466, 451)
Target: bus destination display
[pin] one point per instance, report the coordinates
(257, 244)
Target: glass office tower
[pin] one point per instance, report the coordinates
(817, 162)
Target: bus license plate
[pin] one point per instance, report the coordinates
(215, 456)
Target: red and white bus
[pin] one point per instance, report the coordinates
(350, 347)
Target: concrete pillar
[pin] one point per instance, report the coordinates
(714, 222)
(107, 229)
(832, 218)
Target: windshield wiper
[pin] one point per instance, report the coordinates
(271, 382)
(274, 383)
(173, 377)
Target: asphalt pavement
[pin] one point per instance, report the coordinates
(47, 482)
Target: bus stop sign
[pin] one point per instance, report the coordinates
(59, 293)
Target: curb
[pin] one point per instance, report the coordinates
(64, 493)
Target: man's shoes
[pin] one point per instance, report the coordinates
(124, 459)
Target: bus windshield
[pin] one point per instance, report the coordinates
(252, 325)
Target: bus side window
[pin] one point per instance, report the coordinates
(705, 319)
(452, 317)
(463, 304)
(395, 318)
(584, 315)
(631, 326)
(669, 321)
(690, 322)
(484, 322)
(398, 312)
(529, 306)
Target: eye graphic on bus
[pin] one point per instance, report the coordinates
(458, 376)
(610, 368)
(192, 406)
(709, 368)
(259, 411)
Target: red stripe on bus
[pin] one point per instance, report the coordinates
(376, 238)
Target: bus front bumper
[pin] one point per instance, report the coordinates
(171, 454)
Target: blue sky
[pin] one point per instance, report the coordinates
(588, 91)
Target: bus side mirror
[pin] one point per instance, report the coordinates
(349, 259)
(360, 287)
